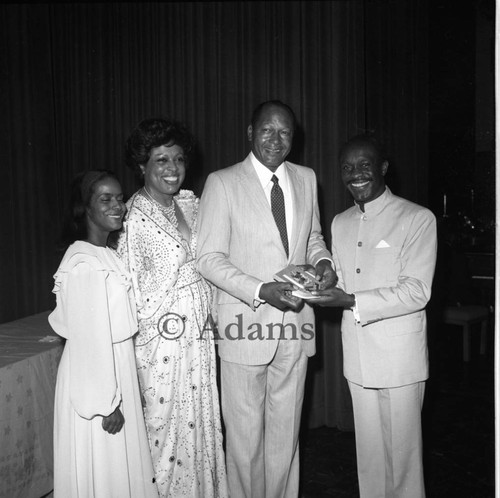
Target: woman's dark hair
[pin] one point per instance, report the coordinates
(155, 132)
(82, 188)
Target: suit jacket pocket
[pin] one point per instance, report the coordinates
(403, 325)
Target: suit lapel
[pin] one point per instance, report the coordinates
(296, 185)
(254, 190)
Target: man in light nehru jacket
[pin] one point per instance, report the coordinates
(384, 250)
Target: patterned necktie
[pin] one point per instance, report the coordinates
(278, 209)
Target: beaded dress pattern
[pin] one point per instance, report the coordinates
(174, 349)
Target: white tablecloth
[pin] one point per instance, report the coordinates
(28, 369)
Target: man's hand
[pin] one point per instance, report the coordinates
(279, 295)
(333, 297)
(325, 274)
(113, 423)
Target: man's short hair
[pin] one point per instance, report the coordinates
(365, 139)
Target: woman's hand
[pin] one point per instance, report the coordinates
(113, 423)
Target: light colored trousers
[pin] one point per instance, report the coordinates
(261, 407)
(388, 429)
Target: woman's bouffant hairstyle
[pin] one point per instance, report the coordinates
(152, 133)
(82, 188)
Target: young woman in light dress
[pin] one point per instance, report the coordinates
(100, 442)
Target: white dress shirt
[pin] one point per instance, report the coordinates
(265, 175)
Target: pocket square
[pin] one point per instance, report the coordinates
(382, 244)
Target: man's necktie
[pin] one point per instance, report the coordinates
(278, 209)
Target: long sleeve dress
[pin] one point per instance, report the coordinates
(96, 315)
(175, 350)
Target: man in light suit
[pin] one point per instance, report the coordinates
(384, 250)
(248, 231)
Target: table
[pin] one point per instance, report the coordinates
(29, 356)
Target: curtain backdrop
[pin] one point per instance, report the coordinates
(77, 77)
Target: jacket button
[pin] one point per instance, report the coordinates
(360, 244)
(358, 270)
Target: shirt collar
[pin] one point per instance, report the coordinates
(265, 174)
(375, 206)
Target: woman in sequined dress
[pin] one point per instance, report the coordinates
(174, 348)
